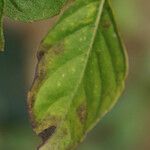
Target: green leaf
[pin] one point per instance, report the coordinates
(1, 25)
(30, 10)
(80, 75)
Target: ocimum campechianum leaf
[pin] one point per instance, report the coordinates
(80, 74)
(28, 11)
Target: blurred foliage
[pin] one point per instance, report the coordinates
(126, 127)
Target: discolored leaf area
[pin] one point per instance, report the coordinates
(80, 75)
(1, 25)
(31, 10)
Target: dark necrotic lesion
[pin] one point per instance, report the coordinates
(47, 133)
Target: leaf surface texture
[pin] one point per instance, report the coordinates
(30, 10)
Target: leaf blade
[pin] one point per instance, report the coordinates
(81, 80)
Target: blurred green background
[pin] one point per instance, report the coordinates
(126, 127)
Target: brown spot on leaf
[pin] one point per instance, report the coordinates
(82, 113)
(57, 49)
(40, 54)
(106, 24)
(42, 51)
(47, 133)
(65, 132)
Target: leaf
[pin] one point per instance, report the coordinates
(79, 77)
(30, 10)
(1, 25)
